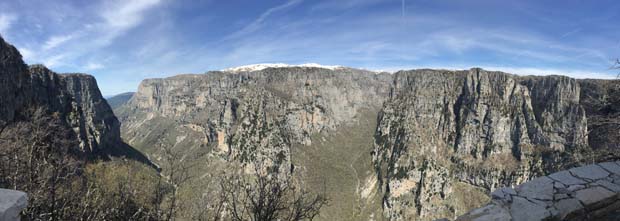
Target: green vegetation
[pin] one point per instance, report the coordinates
(345, 153)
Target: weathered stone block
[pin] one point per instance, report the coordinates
(523, 209)
(566, 178)
(615, 178)
(11, 204)
(504, 194)
(592, 172)
(560, 196)
(558, 185)
(593, 197)
(540, 188)
(611, 167)
(609, 185)
(488, 212)
(568, 207)
(574, 188)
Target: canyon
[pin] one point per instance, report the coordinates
(419, 144)
(412, 145)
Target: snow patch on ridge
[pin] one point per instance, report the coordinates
(258, 67)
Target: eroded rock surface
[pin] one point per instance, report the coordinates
(251, 117)
(442, 141)
(75, 98)
(484, 129)
(595, 199)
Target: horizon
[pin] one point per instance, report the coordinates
(123, 42)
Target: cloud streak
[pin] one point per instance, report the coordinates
(258, 22)
(121, 16)
(55, 41)
(6, 20)
(122, 42)
(112, 20)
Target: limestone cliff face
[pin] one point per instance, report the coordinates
(442, 139)
(249, 116)
(73, 97)
(443, 132)
(13, 74)
(78, 99)
(601, 100)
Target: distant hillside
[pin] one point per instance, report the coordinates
(119, 99)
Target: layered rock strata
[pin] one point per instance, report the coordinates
(443, 139)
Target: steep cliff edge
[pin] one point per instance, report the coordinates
(418, 144)
(278, 117)
(74, 98)
(442, 133)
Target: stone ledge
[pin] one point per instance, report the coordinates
(12, 202)
(581, 193)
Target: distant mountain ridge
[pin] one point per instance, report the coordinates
(119, 99)
(262, 66)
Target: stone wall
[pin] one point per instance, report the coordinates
(589, 192)
(11, 204)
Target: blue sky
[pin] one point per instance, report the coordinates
(122, 42)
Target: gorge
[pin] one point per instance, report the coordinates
(412, 145)
(419, 144)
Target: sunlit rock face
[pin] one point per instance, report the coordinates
(442, 132)
(252, 116)
(78, 96)
(442, 139)
(75, 98)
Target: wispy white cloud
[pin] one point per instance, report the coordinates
(103, 24)
(344, 4)
(6, 20)
(54, 60)
(127, 40)
(258, 22)
(571, 32)
(121, 16)
(90, 66)
(26, 53)
(55, 41)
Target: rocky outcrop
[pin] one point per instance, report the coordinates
(11, 204)
(77, 98)
(73, 97)
(13, 81)
(601, 100)
(589, 192)
(447, 131)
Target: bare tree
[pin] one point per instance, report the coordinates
(39, 159)
(209, 206)
(266, 197)
(40, 156)
(176, 173)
